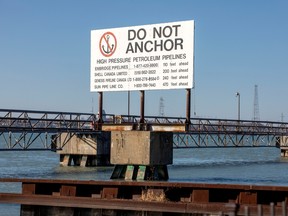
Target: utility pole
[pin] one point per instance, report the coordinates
(161, 107)
(256, 115)
(238, 95)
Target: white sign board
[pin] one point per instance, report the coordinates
(147, 57)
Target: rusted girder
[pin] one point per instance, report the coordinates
(170, 197)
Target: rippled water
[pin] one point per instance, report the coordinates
(262, 166)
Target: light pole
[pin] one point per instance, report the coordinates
(238, 95)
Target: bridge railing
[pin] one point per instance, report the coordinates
(59, 121)
(46, 121)
(21, 128)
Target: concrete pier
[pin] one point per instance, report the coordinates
(282, 143)
(84, 149)
(141, 155)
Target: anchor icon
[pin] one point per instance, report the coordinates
(108, 44)
(109, 49)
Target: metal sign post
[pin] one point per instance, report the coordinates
(188, 108)
(142, 109)
(99, 122)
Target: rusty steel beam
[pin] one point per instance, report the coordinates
(173, 197)
(130, 205)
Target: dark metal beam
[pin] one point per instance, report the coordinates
(159, 196)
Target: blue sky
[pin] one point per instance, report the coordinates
(45, 55)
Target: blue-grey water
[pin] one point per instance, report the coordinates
(261, 166)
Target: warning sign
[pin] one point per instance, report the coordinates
(159, 56)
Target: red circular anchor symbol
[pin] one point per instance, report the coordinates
(107, 44)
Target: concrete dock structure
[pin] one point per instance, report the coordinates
(84, 149)
(141, 155)
(282, 143)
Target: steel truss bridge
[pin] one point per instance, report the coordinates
(36, 130)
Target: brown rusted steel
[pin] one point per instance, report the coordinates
(167, 127)
(28, 188)
(174, 197)
(68, 190)
(200, 196)
(109, 193)
(172, 207)
(118, 127)
(100, 183)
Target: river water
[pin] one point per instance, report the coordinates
(261, 166)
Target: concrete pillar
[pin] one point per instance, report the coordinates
(83, 161)
(141, 155)
(92, 149)
(282, 143)
(65, 160)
